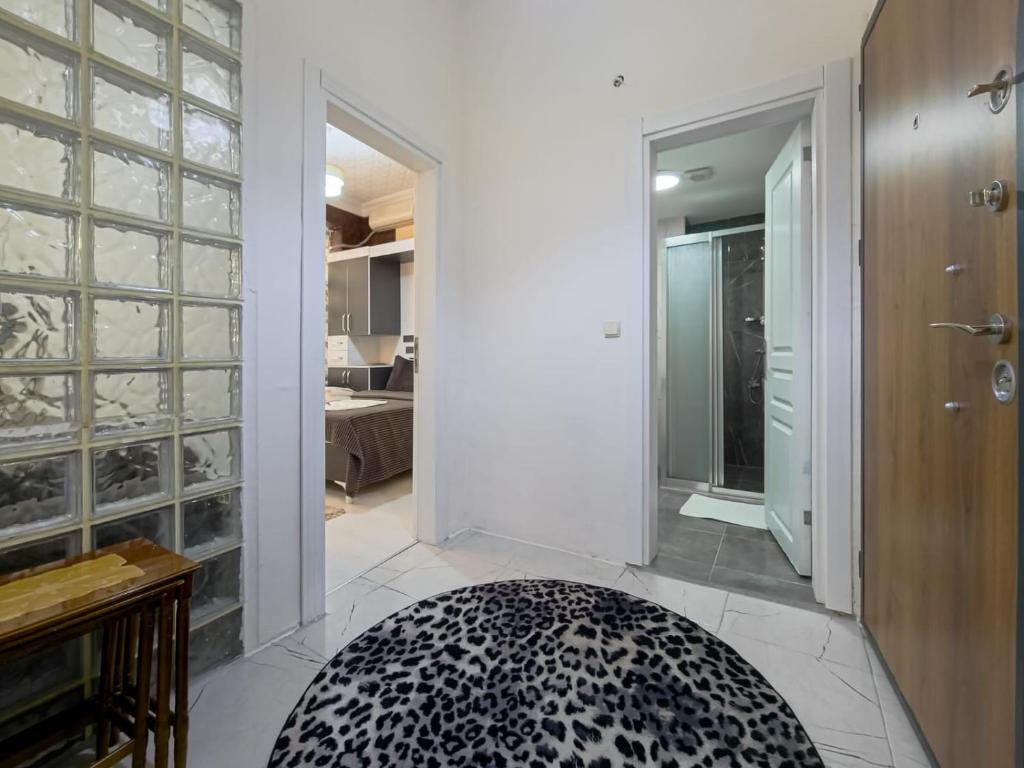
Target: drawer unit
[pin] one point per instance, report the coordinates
(359, 378)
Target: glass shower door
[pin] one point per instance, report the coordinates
(688, 311)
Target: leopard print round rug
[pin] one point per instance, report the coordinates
(540, 673)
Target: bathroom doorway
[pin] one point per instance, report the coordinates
(733, 214)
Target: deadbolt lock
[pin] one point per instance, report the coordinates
(994, 196)
(1004, 381)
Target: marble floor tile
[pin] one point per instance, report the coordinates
(377, 523)
(703, 605)
(907, 751)
(828, 637)
(817, 662)
(837, 704)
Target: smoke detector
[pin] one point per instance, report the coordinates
(699, 174)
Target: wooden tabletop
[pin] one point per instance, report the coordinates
(159, 566)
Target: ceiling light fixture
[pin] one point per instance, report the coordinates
(333, 182)
(664, 181)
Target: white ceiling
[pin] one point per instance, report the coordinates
(740, 162)
(368, 174)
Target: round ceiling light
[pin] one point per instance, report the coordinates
(664, 181)
(333, 181)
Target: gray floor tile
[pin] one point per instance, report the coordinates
(698, 546)
(678, 568)
(788, 592)
(673, 521)
(760, 557)
(669, 500)
(746, 532)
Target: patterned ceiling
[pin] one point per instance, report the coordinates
(368, 174)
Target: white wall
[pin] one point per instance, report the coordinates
(553, 229)
(402, 56)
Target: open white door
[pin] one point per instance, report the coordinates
(787, 488)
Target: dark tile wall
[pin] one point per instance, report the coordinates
(742, 349)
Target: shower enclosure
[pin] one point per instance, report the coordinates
(711, 351)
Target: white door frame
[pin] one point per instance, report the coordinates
(826, 93)
(326, 99)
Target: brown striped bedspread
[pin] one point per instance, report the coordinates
(376, 440)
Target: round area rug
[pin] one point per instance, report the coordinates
(540, 673)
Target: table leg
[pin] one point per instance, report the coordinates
(110, 634)
(165, 642)
(181, 675)
(145, 665)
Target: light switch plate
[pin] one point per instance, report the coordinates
(612, 329)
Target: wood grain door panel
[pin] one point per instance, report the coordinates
(940, 486)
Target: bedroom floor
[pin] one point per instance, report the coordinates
(376, 524)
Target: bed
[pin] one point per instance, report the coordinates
(367, 445)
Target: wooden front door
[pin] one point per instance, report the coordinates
(941, 456)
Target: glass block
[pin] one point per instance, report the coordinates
(57, 16)
(209, 140)
(210, 204)
(37, 326)
(38, 75)
(131, 257)
(130, 37)
(38, 243)
(39, 552)
(38, 409)
(38, 493)
(218, 585)
(125, 329)
(210, 394)
(220, 21)
(212, 644)
(131, 183)
(211, 269)
(131, 401)
(209, 76)
(131, 475)
(209, 332)
(212, 458)
(29, 677)
(131, 110)
(212, 523)
(38, 159)
(157, 525)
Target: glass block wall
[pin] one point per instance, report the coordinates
(120, 300)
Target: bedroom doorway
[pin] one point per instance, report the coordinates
(370, 242)
(370, 351)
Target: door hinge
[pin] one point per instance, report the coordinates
(860, 253)
(416, 355)
(807, 154)
(860, 563)
(807, 517)
(860, 97)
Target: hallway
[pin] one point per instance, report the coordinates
(818, 662)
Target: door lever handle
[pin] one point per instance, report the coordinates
(998, 327)
(998, 90)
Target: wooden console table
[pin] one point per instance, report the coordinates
(135, 593)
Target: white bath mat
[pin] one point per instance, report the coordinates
(734, 512)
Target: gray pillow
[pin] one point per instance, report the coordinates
(401, 376)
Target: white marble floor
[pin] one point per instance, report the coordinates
(820, 663)
(377, 523)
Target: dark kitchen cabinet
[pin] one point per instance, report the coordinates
(364, 297)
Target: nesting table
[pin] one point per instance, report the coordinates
(136, 594)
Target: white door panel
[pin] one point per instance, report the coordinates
(787, 489)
